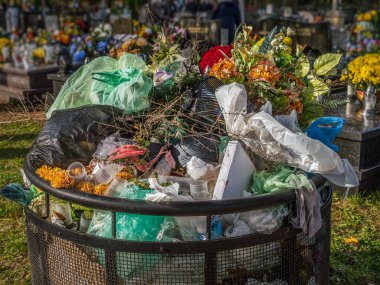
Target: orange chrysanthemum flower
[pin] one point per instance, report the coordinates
(265, 70)
(224, 69)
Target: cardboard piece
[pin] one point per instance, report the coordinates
(236, 173)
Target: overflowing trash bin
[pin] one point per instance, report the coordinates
(286, 256)
(162, 174)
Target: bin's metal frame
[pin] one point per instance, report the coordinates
(193, 208)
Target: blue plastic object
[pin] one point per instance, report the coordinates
(326, 129)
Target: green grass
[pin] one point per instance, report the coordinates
(15, 141)
(357, 217)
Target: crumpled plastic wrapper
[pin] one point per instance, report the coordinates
(269, 139)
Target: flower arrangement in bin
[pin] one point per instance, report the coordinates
(271, 71)
(362, 72)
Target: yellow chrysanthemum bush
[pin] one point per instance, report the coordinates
(364, 71)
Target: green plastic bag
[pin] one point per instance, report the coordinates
(130, 227)
(281, 178)
(107, 81)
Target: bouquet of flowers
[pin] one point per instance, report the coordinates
(272, 72)
(91, 45)
(364, 35)
(141, 30)
(133, 44)
(213, 56)
(364, 71)
(5, 47)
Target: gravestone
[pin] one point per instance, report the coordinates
(359, 142)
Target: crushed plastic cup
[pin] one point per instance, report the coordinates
(104, 173)
(199, 190)
(77, 171)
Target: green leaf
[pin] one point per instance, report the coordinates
(325, 63)
(302, 66)
(299, 49)
(316, 86)
(332, 72)
(266, 44)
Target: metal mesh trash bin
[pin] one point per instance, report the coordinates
(62, 256)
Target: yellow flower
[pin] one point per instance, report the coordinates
(351, 240)
(287, 41)
(260, 42)
(367, 17)
(364, 70)
(360, 17)
(39, 53)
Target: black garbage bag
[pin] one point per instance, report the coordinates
(205, 148)
(72, 135)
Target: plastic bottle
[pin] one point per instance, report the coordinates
(199, 190)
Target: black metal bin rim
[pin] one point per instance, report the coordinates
(173, 208)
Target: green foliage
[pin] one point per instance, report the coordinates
(332, 104)
(316, 86)
(326, 62)
(302, 66)
(266, 45)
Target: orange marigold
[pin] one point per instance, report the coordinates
(62, 180)
(265, 70)
(47, 172)
(223, 69)
(86, 187)
(125, 175)
(101, 189)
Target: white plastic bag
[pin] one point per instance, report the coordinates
(266, 137)
(197, 169)
(265, 221)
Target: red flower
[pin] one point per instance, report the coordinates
(213, 55)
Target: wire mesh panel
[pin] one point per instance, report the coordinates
(285, 257)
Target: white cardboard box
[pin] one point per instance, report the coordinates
(236, 173)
